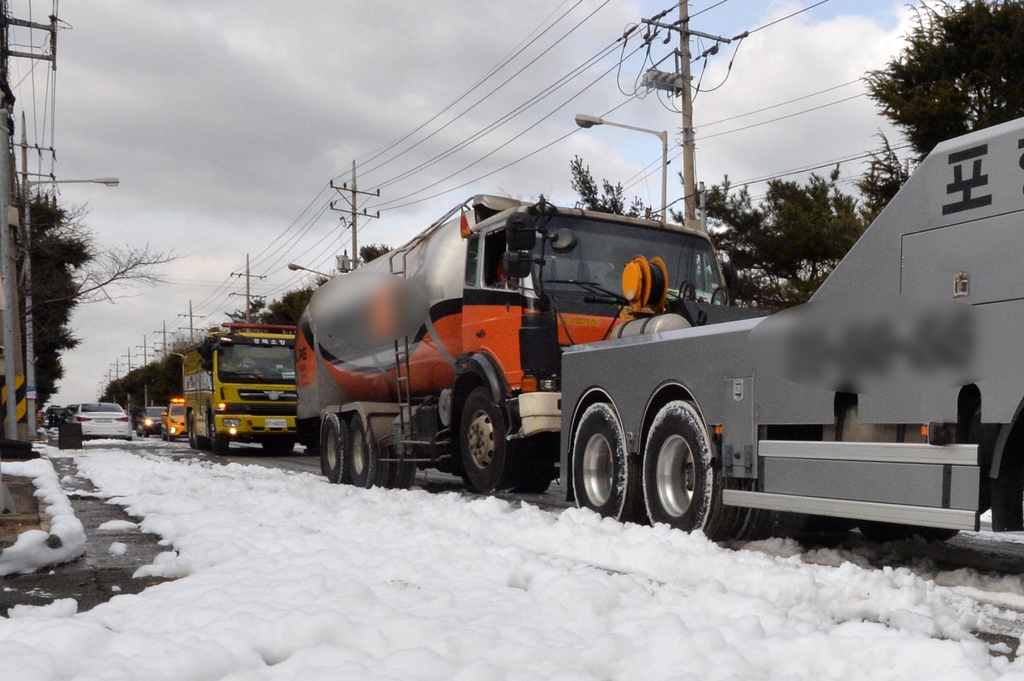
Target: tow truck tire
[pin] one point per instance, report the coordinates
(360, 459)
(191, 431)
(490, 461)
(332, 448)
(681, 486)
(605, 477)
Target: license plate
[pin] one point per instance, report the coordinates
(103, 421)
(276, 423)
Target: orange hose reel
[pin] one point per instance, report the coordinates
(645, 284)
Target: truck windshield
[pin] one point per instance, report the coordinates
(604, 249)
(256, 364)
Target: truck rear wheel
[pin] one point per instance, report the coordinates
(360, 461)
(605, 478)
(333, 433)
(681, 486)
(487, 457)
(191, 431)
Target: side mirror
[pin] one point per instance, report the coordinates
(520, 234)
(732, 279)
(517, 264)
(563, 241)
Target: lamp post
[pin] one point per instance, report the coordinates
(299, 268)
(585, 121)
(30, 352)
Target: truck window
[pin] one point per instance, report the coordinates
(604, 248)
(255, 364)
(494, 271)
(472, 259)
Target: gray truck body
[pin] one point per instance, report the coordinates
(955, 231)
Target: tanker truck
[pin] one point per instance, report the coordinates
(476, 390)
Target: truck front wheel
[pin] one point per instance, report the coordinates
(606, 479)
(681, 486)
(488, 460)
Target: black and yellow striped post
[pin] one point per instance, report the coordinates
(19, 394)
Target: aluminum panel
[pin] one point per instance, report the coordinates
(887, 452)
(861, 510)
(889, 483)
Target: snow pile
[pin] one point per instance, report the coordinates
(35, 548)
(288, 577)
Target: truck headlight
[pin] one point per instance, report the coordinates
(232, 423)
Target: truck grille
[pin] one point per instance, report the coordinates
(268, 395)
(273, 409)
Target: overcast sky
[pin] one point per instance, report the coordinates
(225, 122)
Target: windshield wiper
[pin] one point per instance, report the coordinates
(593, 287)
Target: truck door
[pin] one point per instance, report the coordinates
(492, 305)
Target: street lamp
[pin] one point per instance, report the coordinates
(299, 268)
(585, 121)
(30, 352)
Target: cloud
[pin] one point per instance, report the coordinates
(225, 122)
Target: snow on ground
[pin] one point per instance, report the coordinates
(35, 548)
(284, 576)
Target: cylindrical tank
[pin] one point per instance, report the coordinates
(648, 325)
(436, 262)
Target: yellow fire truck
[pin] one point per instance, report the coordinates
(240, 387)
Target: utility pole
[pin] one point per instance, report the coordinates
(191, 326)
(248, 295)
(679, 83)
(145, 352)
(353, 209)
(164, 344)
(689, 181)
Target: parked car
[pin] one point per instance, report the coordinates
(69, 413)
(102, 420)
(148, 422)
(173, 420)
(54, 415)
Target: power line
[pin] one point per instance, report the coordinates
(782, 118)
(788, 16)
(516, 51)
(776, 106)
(497, 149)
(489, 94)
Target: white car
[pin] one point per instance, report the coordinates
(102, 420)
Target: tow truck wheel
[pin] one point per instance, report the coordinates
(681, 486)
(606, 479)
(487, 457)
(191, 429)
(332, 453)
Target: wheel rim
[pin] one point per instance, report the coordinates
(597, 469)
(675, 475)
(481, 439)
(358, 453)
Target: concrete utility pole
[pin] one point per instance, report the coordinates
(353, 209)
(680, 84)
(164, 344)
(689, 181)
(191, 325)
(248, 290)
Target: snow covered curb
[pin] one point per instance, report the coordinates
(35, 549)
